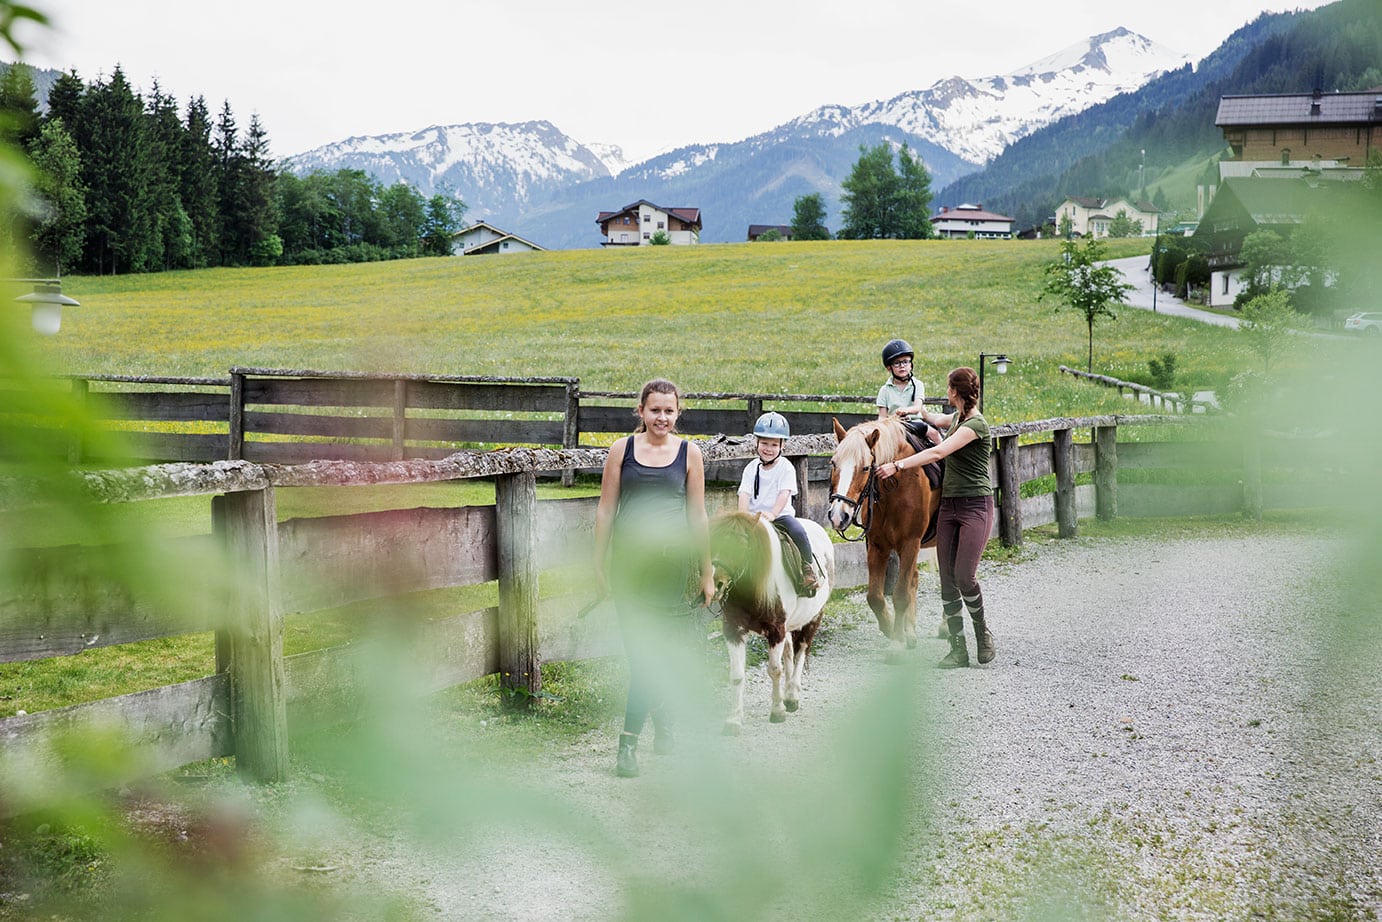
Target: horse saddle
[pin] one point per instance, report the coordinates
(791, 557)
(919, 437)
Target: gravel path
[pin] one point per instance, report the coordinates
(1180, 729)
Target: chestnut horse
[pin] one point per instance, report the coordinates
(758, 596)
(895, 515)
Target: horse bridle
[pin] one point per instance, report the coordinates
(869, 494)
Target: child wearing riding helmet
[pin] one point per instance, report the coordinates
(901, 393)
(767, 488)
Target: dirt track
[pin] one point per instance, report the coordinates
(1179, 729)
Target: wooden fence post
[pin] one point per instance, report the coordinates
(799, 464)
(81, 390)
(1252, 477)
(1067, 519)
(515, 508)
(400, 417)
(755, 408)
(1106, 472)
(236, 450)
(1010, 492)
(259, 716)
(571, 427)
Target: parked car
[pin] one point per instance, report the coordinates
(1364, 322)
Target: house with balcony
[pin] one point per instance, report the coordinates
(637, 223)
(964, 220)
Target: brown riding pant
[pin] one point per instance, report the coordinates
(962, 529)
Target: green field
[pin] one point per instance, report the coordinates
(769, 318)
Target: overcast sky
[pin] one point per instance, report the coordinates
(647, 76)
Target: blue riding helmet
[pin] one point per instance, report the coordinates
(772, 426)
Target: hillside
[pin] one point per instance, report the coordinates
(1099, 152)
(713, 318)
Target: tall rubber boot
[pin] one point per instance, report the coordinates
(983, 640)
(626, 763)
(958, 656)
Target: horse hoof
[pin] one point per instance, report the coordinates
(793, 705)
(911, 643)
(777, 717)
(895, 658)
(731, 729)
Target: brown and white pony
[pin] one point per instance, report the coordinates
(758, 596)
(894, 514)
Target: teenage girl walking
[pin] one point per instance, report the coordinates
(651, 529)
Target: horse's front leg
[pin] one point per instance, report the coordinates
(878, 569)
(791, 666)
(905, 594)
(738, 652)
(779, 712)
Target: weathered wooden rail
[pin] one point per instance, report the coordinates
(258, 571)
(1141, 392)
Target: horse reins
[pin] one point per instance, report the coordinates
(869, 494)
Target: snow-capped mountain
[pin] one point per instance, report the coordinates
(492, 167)
(536, 181)
(977, 119)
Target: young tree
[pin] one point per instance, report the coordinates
(1124, 226)
(1067, 226)
(808, 218)
(912, 207)
(1268, 321)
(58, 234)
(771, 235)
(1085, 284)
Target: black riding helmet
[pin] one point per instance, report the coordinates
(895, 349)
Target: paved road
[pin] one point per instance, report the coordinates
(1134, 269)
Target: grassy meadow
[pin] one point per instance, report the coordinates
(770, 318)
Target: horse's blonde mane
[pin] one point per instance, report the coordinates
(854, 447)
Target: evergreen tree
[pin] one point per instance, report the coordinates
(58, 235)
(115, 170)
(65, 102)
(808, 218)
(19, 121)
(197, 184)
(172, 244)
(257, 214)
(912, 211)
(232, 248)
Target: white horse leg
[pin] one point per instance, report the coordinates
(778, 713)
(738, 653)
(791, 696)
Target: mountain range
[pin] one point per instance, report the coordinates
(534, 180)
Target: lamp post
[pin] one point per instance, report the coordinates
(1000, 362)
(46, 303)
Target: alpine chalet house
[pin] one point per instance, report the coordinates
(1095, 216)
(1287, 147)
(634, 225)
(483, 239)
(963, 220)
(1292, 135)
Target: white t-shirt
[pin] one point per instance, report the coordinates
(771, 481)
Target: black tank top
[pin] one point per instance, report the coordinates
(652, 493)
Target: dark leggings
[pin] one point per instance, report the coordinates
(797, 533)
(962, 530)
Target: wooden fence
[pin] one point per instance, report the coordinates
(68, 602)
(285, 416)
(1144, 394)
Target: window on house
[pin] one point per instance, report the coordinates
(1225, 283)
(647, 236)
(659, 225)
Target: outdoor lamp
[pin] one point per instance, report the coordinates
(47, 302)
(1000, 362)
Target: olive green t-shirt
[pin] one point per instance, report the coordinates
(967, 470)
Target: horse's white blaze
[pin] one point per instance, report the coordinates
(840, 513)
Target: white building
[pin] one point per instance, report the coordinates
(963, 220)
(481, 239)
(636, 224)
